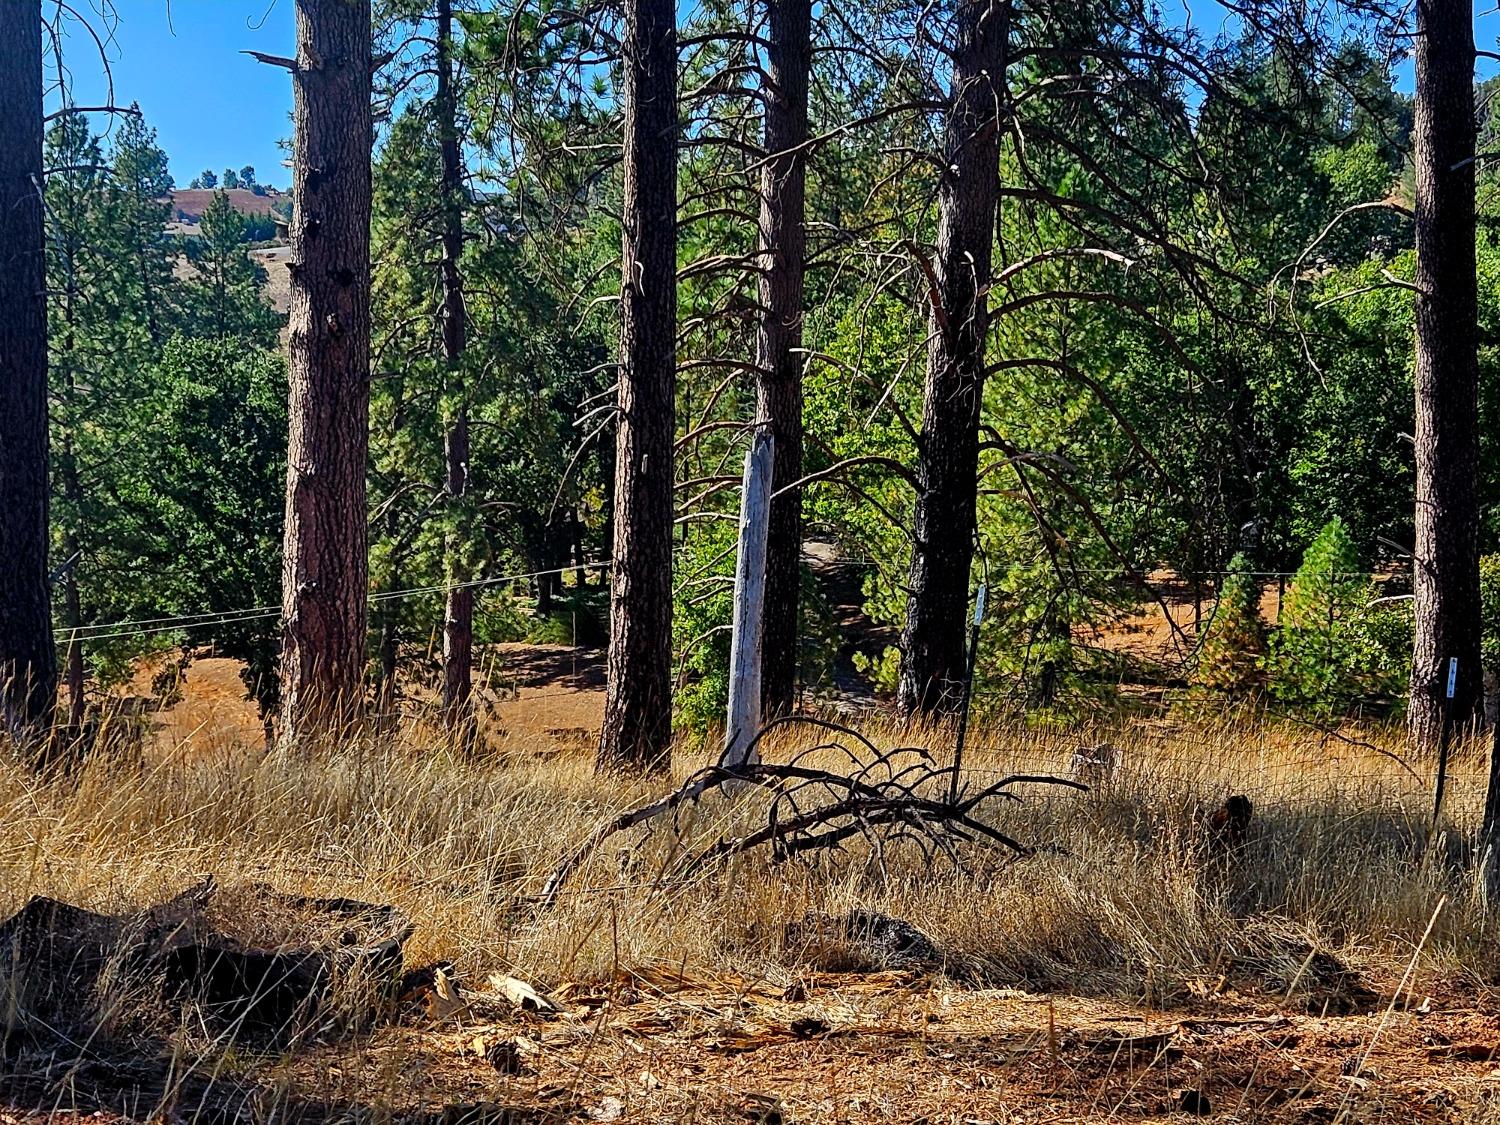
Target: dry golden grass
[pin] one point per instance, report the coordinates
(1124, 902)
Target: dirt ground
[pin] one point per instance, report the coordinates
(835, 1048)
(276, 261)
(552, 696)
(546, 697)
(890, 1048)
(1164, 632)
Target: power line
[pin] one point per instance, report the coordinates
(88, 632)
(388, 595)
(154, 625)
(150, 626)
(232, 618)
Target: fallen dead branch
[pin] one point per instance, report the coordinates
(885, 797)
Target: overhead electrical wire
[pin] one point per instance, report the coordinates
(154, 625)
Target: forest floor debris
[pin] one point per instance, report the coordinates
(1125, 970)
(898, 1047)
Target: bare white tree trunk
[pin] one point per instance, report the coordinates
(749, 601)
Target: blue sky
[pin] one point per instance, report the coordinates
(214, 107)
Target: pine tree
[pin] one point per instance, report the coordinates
(519, 381)
(139, 299)
(1445, 555)
(458, 611)
(1234, 647)
(225, 298)
(112, 270)
(81, 375)
(934, 639)
(1321, 656)
(325, 558)
(778, 349)
(200, 495)
(637, 727)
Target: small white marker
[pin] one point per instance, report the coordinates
(1452, 675)
(979, 613)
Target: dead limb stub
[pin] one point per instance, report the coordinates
(883, 798)
(273, 60)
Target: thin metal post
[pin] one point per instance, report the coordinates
(963, 716)
(1442, 770)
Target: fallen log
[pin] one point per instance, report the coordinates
(65, 966)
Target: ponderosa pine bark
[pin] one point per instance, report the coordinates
(778, 358)
(637, 727)
(28, 659)
(458, 612)
(934, 638)
(325, 562)
(1445, 562)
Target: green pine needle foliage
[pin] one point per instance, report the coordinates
(1489, 611)
(1234, 648)
(1326, 656)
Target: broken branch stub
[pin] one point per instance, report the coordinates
(883, 798)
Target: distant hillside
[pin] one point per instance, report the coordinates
(188, 204)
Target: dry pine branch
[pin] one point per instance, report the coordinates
(881, 799)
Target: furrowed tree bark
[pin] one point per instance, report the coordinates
(28, 659)
(637, 727)
(934, 637)
(783, 245)
(1445, 563)
(324, 571)
(458, 614)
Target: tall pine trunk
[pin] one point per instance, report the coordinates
(934, 637)
(458, 614)
(783, 242)
(324, 570)
(1445, 565)
(637, 727)
(28, 660)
